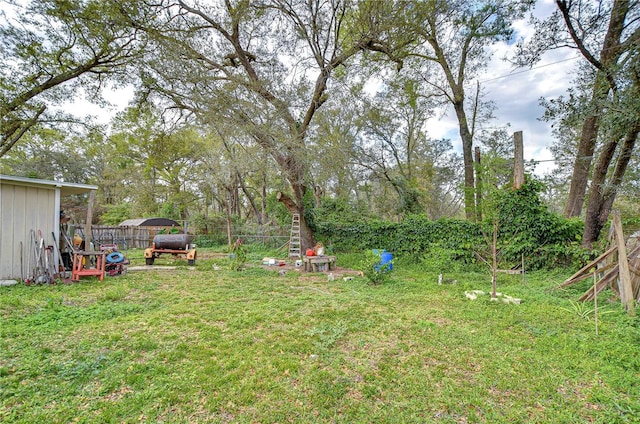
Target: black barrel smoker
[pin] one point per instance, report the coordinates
(174, 244)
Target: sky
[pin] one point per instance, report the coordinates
(515, 92)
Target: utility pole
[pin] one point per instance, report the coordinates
(518, 164)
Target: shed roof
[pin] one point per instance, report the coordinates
(149, 222)
(66, 189)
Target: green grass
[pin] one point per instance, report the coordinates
(217, 346)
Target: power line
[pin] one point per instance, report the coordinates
(530, 69)
(544, 66)
(555, 160)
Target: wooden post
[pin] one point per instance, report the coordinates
(595, 300)
(626, 292)
(518, 160)
(227, 211)
(494, 257)
(87, 225)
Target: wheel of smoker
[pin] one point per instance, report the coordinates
(191, 262)
(149, 261)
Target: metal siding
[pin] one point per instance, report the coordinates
(20, 231)
(7, 193)
(45, 206)
(23, 209)
(56, 226)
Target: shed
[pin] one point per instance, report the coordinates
(149, 222)
(29, 204)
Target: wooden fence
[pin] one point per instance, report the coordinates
(131, 237)
(126, 237)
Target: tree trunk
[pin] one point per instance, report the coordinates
(251, 199)
(603, 194)
(478, 185)
(595, 215)
(263, 203)
(307, 238)
(581, 166)
(467, 156)
(227, 211)
(236, 197)
(609, 56)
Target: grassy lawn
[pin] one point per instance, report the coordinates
(217, 346)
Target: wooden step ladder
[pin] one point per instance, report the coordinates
(294, 239)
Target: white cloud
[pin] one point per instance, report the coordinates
(118, 99)
(517, 93)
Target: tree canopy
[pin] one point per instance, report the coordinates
(51, 51)
(242, 103)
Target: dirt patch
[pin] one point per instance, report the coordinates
(212, 255)
(338, 273)
(155, 268)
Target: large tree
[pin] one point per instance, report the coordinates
(263, 66)
(158, 154)
(457, 36)
(607, 35)
(585, 23)
(52, 48)
(394, 147)
(56, 154)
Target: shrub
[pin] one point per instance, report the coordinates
(527, 227)
(238, 256)
(439, 259)
(373, 270)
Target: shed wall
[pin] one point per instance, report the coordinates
(23, 209)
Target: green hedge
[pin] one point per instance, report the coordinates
(526, 227)
(413, 237)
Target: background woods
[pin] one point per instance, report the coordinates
(247, 112)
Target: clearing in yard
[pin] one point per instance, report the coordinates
(215, 346)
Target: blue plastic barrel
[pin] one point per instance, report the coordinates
(385, 258)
